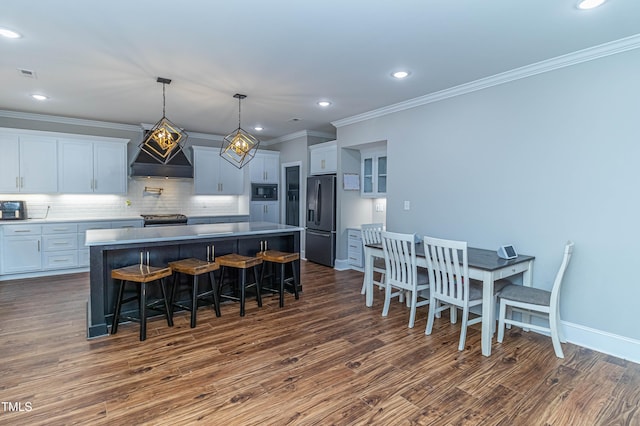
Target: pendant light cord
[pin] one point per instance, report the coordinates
(163, 100)
(239, 101)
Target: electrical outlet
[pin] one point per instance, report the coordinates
(407, 205)
(379, 207)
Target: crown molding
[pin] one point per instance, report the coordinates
(300, 134)
(574, 58)
(68, 120)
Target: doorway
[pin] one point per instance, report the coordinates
(292, 195)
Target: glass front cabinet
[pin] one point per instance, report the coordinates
(374, 174)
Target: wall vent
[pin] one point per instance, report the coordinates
(27, 73)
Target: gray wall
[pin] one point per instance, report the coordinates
(534, 162)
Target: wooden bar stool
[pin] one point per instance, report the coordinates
(241, 263)
(195, 268)
(270, 257)
(141, 275)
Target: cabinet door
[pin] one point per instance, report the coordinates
(21, 254)
(38, 165)
(381, 175)
(324, 160)
(75, 165)
(272, 212)
(110, 168)
(205, 173)
(256, 211)
(230, 178)
(264, 168)
(9, 164)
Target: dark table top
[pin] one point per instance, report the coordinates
(487, 260)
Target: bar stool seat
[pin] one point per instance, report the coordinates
(241, 263)
(141, 275)
(195, 268)
(282, 258)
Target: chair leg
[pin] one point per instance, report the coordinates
(387, 301)
(143, 311)
(282, 265)
(501, 317)
(174, 286)
(258, 286)
(463, 330)
(432, 314)
(194, 301)
(167, 312)
(116, 313)
(243, 279)
(555, 339)
(414, 302)
(214, 291)
(294, 272)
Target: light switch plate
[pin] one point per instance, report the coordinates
(407, 205)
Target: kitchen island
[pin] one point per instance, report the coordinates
(115, 248)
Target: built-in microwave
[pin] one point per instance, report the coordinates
(13, 210)
(264, 192)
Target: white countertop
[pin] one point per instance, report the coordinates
(69, 219)
(98, 237)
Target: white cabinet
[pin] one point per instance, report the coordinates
(21, 248)
(28, 164)
(87, 167)
(213, 175)
(355, 251)
(374, 174)
(264, 167)
(323, 158)
(264, 211)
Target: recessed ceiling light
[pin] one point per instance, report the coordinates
(590, 4)
(324, 104)
(400, 74)
(39, 97)
(258, 128)
(5, 32)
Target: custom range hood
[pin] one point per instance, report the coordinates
(146, 166)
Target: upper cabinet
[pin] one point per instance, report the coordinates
(213, 175)
(374, 174)
(92, 167)
(28, 163)
(264, 167)
(323, 158)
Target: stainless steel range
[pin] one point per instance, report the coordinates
(164, 219)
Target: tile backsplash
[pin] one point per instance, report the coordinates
(176, 197)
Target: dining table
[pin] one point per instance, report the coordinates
(484, 265)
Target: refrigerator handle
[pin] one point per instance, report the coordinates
(318, 203)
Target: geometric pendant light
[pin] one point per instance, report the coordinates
(239, 147)
(165, 139)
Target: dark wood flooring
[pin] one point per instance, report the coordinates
(324, 359)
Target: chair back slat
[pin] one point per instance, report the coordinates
(448, 268)
(400, 259)
(371, 233)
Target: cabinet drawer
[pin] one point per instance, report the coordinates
(127, 224)
(16, 230)
(84, 227)
(61, 259)
(59, 228)
(60, 242)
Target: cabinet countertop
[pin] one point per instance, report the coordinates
(101, 237)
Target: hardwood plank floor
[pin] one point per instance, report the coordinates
(323, 359)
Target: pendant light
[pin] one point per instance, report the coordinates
(239, 147)
(165, 139)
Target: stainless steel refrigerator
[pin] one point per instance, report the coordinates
(320, 244)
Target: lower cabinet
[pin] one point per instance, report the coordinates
(264, 211)
(35, 249)
(21, 248)
(354, 248)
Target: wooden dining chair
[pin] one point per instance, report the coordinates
(371, 234)
(536, 303)
(401, 272)
(451, 287)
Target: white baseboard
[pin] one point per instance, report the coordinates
(602, 341)
(341, 265)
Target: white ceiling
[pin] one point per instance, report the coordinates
(100, 60)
